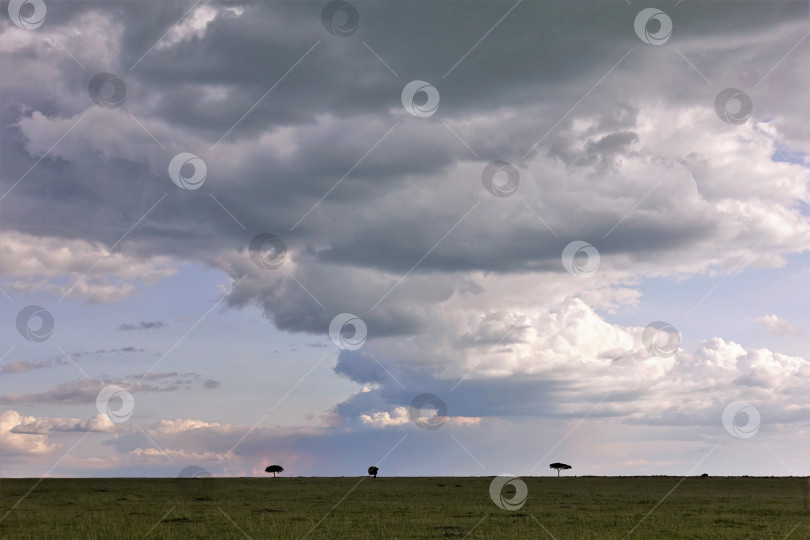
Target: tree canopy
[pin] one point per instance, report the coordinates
(274, 469)
(559, 467)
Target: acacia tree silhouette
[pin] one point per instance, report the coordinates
(372, 471)
(559, 466)
(274, 469)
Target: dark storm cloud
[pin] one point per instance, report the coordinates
(360, 367)
(398, 243)
(541, 42)
(379, 225)
(247, 54)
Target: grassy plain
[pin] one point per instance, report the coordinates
(405, 508)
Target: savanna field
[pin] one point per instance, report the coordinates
(435, 507)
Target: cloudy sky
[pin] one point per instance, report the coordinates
(577, 231)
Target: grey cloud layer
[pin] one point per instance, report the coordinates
(83, 391)
(630, 156)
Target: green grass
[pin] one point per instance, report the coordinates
(439, 507)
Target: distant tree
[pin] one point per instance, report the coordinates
(559, 467)
(372, 471)
(274, 469)
(704, 475)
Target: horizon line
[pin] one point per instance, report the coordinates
(401, 476)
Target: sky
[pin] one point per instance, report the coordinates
(443, 238)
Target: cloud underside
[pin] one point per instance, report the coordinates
(647, 172)
(565, 366)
